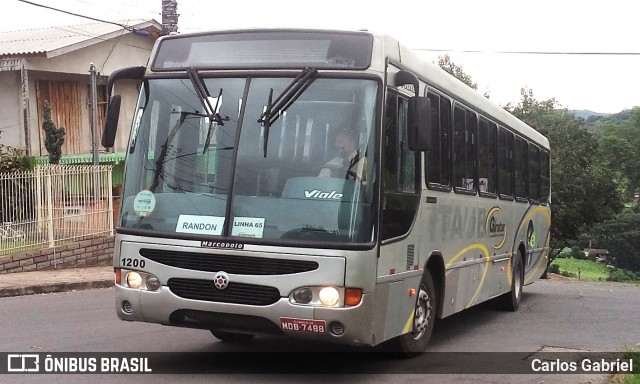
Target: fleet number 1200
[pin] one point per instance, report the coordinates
(135, 263)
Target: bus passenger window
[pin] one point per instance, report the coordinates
(487, 156)
(520, 166)
(438, 157)
(505, 163)
(545, 180)
(464, 131)
(534, 173)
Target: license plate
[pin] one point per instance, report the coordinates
(303, 325)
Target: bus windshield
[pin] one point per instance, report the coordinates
(206, 166)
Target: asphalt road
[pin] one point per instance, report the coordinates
(554, 315)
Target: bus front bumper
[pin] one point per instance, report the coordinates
(345, 325)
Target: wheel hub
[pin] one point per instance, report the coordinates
(422, 315)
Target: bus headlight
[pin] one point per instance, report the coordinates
(303, 295)
(138, 280)
(326, 296)
(329, 296)
(153, 283)
(134, 280)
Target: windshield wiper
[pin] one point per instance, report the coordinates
(203, 95)
(284, 100)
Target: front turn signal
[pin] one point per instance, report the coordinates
(352, 296)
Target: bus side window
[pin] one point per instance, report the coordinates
(545, 179)
(438, 157)
(400, 171)
(505, 163)
(487, 157)
(464, 156)
(520, 167)
(534, 173)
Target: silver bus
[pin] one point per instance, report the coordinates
(325, 185)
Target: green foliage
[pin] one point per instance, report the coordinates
(620, 146)
(13, 203)
(54, 136)
(586, 269)
(621, 236)
(583, 189)
(456, 71)
(623, 275)
(12, 159)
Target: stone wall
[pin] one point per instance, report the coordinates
(91, 252)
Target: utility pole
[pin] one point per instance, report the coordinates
(169, 16)
(94, 113)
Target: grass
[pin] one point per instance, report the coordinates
(630, 378)
(584, 269)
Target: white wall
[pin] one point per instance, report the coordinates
(10, 109)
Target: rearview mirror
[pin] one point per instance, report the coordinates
(111, 122)
(113, 109)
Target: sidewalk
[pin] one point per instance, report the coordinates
(57, 280)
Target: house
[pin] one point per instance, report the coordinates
(52, 64)
(597, 254)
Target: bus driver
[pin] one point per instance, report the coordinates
(349, 162)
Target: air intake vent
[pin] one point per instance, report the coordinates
(411, 248)
(237, 293)
(233, 264)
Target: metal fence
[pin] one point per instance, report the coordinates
(54, 204)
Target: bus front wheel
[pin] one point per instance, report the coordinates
(415, 341)
(232, 337)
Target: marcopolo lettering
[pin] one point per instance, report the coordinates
(318, 194)
(220, 244)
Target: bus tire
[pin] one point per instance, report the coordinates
(416, 341)
(510, 301)
(232, 337)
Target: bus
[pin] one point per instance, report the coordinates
(229, 224)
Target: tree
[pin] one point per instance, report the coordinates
(583, 190)
(54, 136)
(456, 71)
(622, 238)
(620, 146)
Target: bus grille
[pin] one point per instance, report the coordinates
(237, 265)
(237, 293)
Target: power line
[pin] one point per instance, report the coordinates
(533, 52)
(128, 28)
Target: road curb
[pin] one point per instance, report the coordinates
(56, 287)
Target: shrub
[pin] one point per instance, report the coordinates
(554, 268)
(54, 136)
(577, 253)
(14, 204)
(622, 275)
